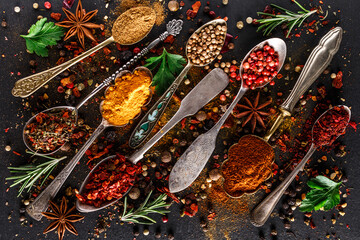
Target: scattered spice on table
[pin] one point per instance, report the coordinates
(133, 25)
(50, 130)
(124, 100)
(202, 52)
(109, 181)
(248, 166)
(330, 126)
(260, 67)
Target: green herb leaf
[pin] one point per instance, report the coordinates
(42, 34)
(324, 193)
(170, 65)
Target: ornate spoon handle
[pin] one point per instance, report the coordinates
(262, 212)
(41, 203)
(28, 85)
(172, 28)
(318, 60)
(147, 123)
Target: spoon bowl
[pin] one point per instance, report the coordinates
(86, 208)
(279, 46)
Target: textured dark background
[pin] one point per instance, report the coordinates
(13, 116)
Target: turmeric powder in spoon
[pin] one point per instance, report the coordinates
(123, 101)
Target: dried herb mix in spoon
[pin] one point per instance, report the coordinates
(50, 130)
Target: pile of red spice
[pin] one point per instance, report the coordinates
(109, 181)
(330, 126)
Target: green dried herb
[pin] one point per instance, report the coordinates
(42, 34)
(291, 19)
(170, 65)
(28, 174)
(139, 216)
(324, 194)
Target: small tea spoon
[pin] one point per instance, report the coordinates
(28, 85)
(172, 28)
(191, 163)
(262, 212)
(41, 203)
(153, 115)
(210, 86)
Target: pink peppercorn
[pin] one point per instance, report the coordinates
(47, 5)
(60, 89)
(136, 50)
(223, 98)
(165, 219)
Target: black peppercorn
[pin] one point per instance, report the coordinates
(126, 56)
(298, 188)
(93, 69)
(22, 210)
(59, 46)
(65, 73)
(62, 53)
(281, 215)
(285, 205)
(291, 201)
(286, 192)
(344, 179)
(289, 211)
(292, 193)
(158, 235)
(209, 123)
(171, 236)
(200, 22)
(70, 101)
(111, 136)
(191, 30)
(206, 9)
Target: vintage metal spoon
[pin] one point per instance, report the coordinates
(172, 28)
(28, 85)
(41, 203)
(194, 159)
(147, 123)
(212, 84)
(262, 212)
(317, 62)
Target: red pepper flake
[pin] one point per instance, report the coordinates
(312, 23)
(55, 16)
(353, 125)
(311, 30)
(109, 181)
(211, 216)
(337, 82)
(191, 13)
(170, 39)
(76, 92)
(16, 153)
(7, 129)
(183, 123)
(182, 4)
(106, 50)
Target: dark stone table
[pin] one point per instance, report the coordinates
(14, 113)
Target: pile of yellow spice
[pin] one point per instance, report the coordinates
(124, 100)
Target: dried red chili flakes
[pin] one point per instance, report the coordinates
(109, 181)
(191, 13)
(211, 216)
(55, 16)
(337, 82)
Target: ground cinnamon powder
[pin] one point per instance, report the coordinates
(133, 25)
(248, 165)
(124, 100)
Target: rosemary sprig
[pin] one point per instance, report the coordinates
(140, 215)
(291, 19)
(28, 174)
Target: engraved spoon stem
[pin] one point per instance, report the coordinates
(28, 85)
(41, 203)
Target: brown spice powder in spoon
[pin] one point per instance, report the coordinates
(133, 25)
(248, 166)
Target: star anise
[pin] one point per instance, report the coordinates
(253, 112)
(62, 219)
(79, 24)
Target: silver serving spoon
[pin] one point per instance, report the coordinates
(153, 115)
(262, 212)
(191, 163)
(172, 28)
(209, 87)
(28, 85)
(41, 203)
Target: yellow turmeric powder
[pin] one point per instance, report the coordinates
(124, 100)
